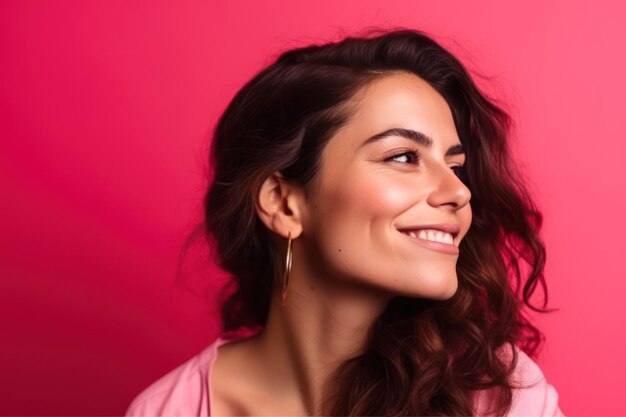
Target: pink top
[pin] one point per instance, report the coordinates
(185, 391)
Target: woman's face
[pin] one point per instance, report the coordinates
(381, 200)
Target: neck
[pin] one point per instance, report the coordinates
(318, 328)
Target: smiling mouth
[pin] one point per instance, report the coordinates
(433, 239)
(432, 235)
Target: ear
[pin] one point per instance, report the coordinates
(279, 205)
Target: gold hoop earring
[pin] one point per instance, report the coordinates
(287, 269)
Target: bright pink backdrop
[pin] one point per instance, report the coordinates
(105, 110)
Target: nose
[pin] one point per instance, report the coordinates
(449, 190)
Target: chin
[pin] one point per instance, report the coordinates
(448, 289)
(448, 294)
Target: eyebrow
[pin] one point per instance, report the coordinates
(417, 137)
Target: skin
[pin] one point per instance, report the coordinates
(349, 257)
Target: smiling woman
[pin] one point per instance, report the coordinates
(366, 207)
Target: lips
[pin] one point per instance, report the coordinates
(440, 236)
(453, 229)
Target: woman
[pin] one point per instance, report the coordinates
(366, 281)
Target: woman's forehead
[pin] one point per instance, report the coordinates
(401, 100)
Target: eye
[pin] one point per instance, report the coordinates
(409, 157)
(459, 171)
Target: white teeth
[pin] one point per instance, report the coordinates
(434, 235)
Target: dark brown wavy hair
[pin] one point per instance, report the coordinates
(424, 356)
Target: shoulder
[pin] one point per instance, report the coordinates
(533, 395)
(182, 391)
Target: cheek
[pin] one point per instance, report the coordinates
(350, 228)
(349, 213)
(375, 196)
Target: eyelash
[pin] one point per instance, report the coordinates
(416, 159)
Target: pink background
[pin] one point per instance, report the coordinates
(105, 111)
